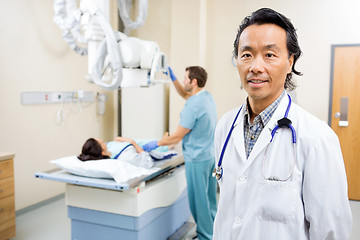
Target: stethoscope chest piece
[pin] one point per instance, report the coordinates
(218, 172)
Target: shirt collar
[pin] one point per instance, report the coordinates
(265, 116)
(203, 90)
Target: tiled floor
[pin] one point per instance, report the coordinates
(50, 222)
(44, 223)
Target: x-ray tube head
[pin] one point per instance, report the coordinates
(130, 52)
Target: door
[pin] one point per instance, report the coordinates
(345, 110)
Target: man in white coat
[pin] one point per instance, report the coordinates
(286, 182)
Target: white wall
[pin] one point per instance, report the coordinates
(319, 24)
(34, 57)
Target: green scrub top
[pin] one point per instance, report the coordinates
(199, 115)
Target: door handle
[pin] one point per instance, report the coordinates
(344, 104)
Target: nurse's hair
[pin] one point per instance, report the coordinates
(91, 150)
(267, 15)
(199, 73)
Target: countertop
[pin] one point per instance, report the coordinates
(6, 155)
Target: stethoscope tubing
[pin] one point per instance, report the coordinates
(289, 125)
(227, 138)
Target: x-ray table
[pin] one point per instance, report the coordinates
(150, 207)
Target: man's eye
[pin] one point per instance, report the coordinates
(269, 55)
(245, 55)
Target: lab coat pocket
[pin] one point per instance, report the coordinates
(277, 201)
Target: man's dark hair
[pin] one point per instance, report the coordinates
(267, 15)
(199, 73)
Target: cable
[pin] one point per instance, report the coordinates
(67, 17)
(124, 7)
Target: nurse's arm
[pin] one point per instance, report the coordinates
(174, 138)
(181, 90)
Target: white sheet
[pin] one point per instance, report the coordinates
(120, 171)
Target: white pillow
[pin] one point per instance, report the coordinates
(120, 171)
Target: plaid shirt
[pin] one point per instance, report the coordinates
(252, 130)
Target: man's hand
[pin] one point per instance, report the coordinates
(172, 75)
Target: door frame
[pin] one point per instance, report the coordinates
(333, 46)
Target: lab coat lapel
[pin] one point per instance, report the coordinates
(265, 136)
(238, 137)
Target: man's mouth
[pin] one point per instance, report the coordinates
(256, 81)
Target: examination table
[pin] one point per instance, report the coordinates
(150, 207)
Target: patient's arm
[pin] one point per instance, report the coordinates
(122, 139)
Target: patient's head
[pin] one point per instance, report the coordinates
(93, 149)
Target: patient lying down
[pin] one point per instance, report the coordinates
(97, 159)
(124, 149)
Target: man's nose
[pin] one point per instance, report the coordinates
(257, 65)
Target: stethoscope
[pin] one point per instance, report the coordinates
(284, 122)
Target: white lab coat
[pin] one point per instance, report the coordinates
(312, 204)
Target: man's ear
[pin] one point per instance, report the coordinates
(291, 62)
(194, 81)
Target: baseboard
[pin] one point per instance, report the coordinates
(38, 205)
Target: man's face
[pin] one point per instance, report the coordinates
(187, 82)
(263, 62)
